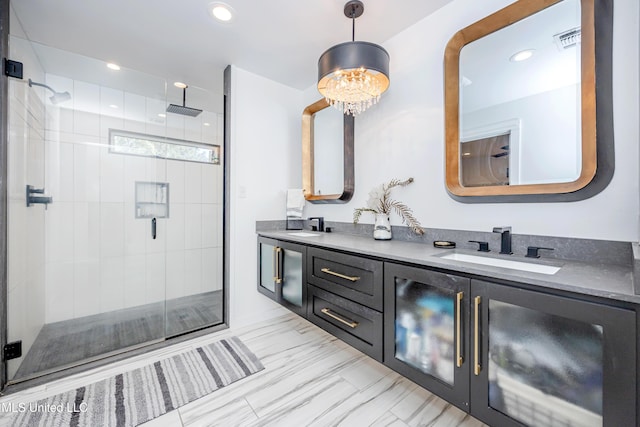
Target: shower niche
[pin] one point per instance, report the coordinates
(152, 199)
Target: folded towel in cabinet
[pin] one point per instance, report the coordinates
(295, 202)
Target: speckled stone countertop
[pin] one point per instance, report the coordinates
(603, 280)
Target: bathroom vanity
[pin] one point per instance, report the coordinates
(538, 342)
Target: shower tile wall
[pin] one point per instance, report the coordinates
(99, 256)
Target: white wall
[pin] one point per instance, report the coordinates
(404, 136)
(265, 160)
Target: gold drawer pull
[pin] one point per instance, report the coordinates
(349, 323)
(277, 251)
(342, 276)
(476, 338)
(459, 358)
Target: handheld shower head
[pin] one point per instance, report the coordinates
(57, 97)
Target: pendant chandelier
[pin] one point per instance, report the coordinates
(353, 75)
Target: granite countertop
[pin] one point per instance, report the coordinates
(601, 280)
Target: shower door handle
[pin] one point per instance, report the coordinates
(153, 228)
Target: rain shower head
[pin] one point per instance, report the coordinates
(57, 97)
(183, 109)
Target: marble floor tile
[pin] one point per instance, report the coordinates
(310, 379)
(366, 406)
(296, 376)
(364, 373)
(422, 408)
(170, 419)
(204, 412)
(6, 421)
(388, 420)
(308, 405)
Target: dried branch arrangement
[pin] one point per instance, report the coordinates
(380, 201)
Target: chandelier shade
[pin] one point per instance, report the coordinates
(353, 75)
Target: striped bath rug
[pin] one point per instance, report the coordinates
(137, 396)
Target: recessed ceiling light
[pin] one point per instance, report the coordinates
(113, 66)
(163, 115)
(180, 85)
(114, 106)
(206, 124)
(522, 55)
(221, 11)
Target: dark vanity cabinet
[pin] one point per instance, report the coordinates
(345, 298)
(541, 359)
(427, 330)
(281, 273)
(511, 356)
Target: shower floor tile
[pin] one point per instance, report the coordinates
(65, 343)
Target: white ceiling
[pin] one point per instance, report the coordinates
(179, 40)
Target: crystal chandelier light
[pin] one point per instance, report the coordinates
(353, 75)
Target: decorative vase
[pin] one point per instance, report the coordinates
(382, 227)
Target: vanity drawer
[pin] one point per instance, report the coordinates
(353, 277)
(355, 324)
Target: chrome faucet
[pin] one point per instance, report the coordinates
(505, 243)
(320, 222)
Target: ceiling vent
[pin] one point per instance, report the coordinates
(567, 39)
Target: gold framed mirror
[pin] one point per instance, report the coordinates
(327, 154)
(526, 130)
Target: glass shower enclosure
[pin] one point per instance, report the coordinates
(115, 210)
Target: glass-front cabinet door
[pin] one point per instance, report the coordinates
(426, 329)
(293, 283)
(281, 273)
(267, 264)
(547, 360)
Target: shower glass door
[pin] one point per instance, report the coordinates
(195, 225)
(115, 210)
(86, 269)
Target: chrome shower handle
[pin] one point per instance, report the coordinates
(32, 200)
(31, 189)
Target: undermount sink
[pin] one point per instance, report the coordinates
(504, 263)
(303, 234)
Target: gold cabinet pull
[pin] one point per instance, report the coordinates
(476, 337)
(342, 276)
(459, 358)
(277, 250)
(275, 263)
(350, 323)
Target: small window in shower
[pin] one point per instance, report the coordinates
(138, 144)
